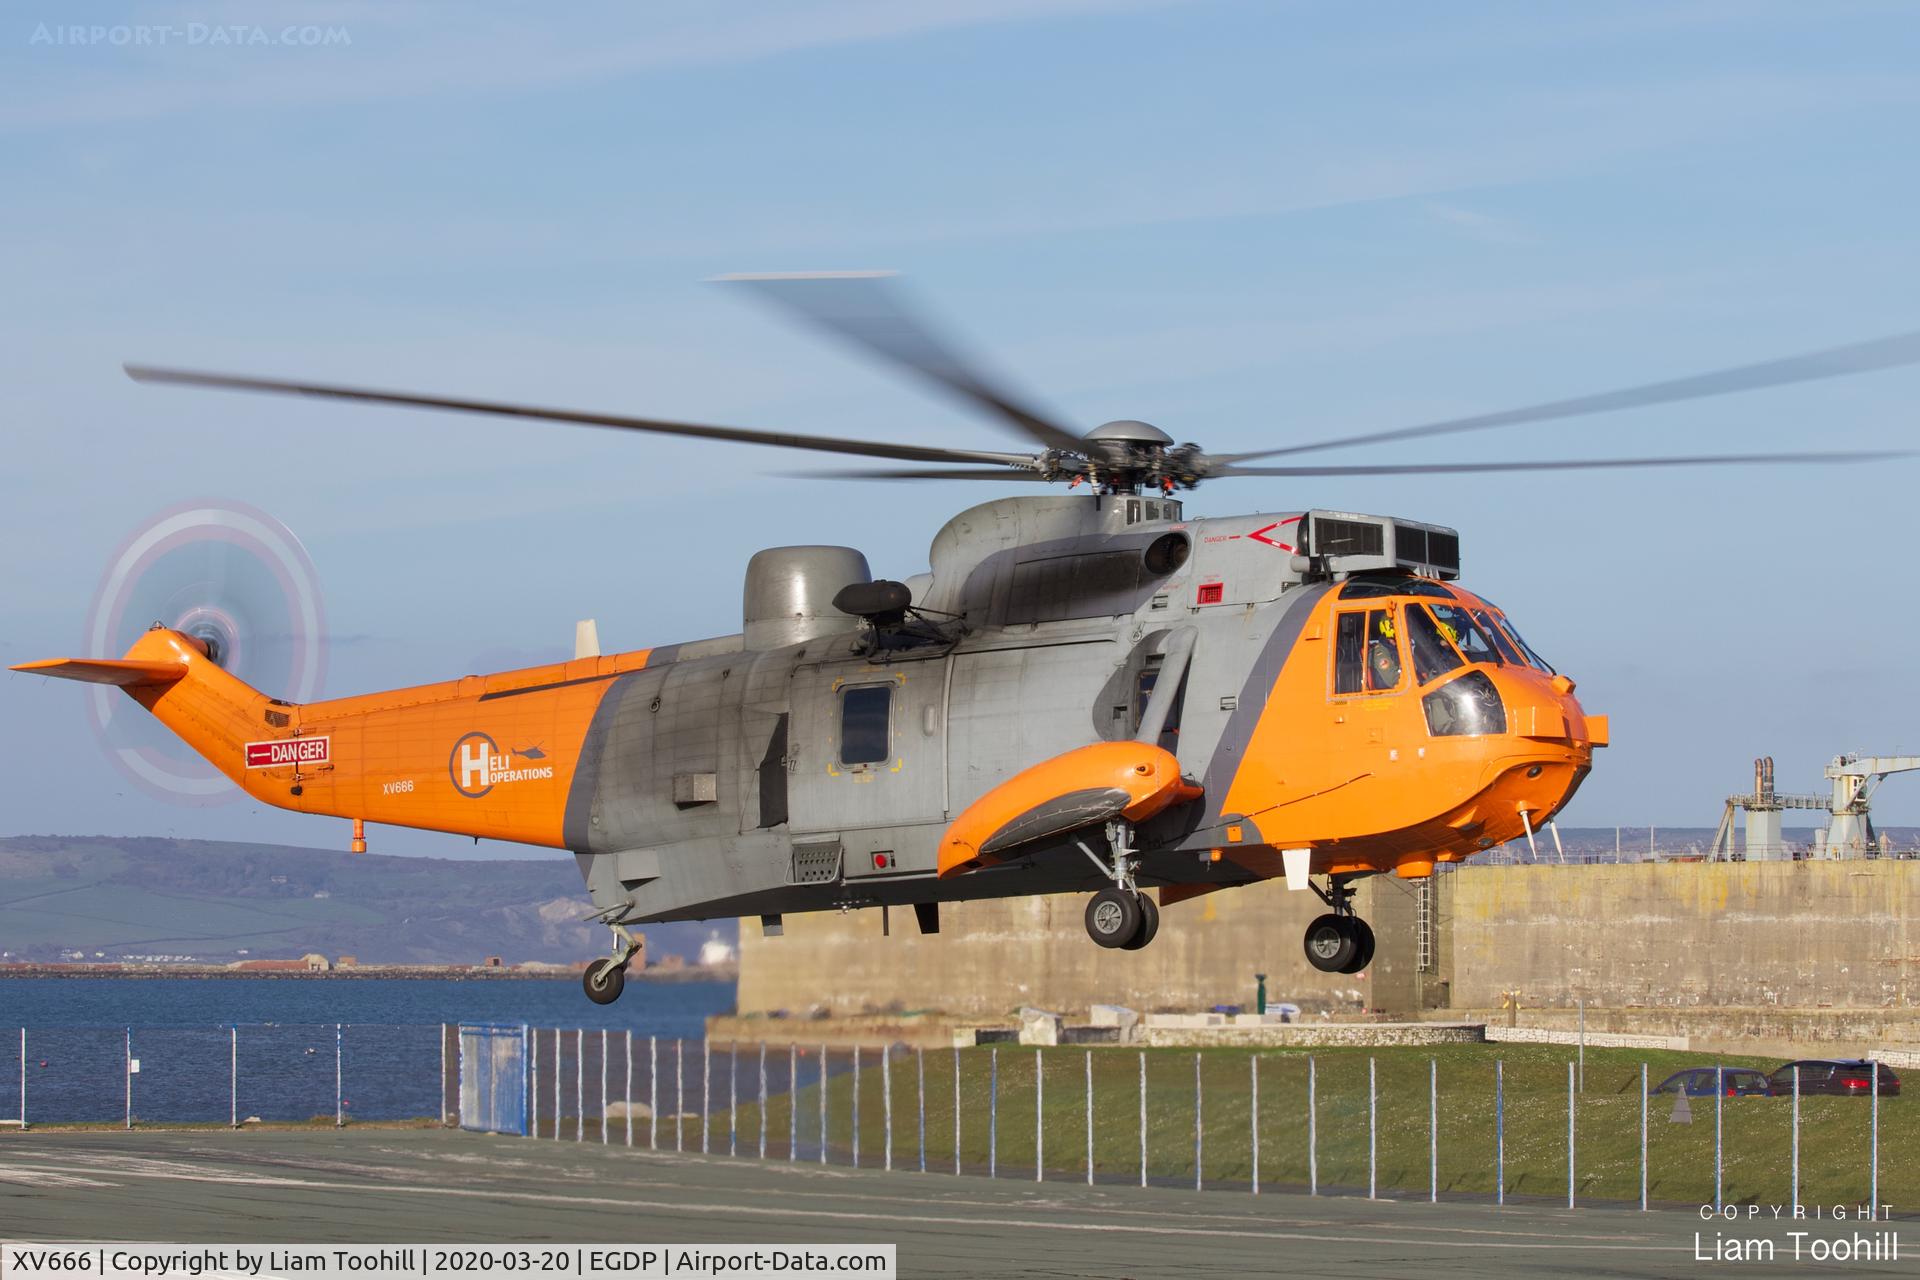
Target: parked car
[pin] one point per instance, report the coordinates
(1703, 1082)
(1846, 1077)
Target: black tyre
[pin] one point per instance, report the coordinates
(604, 981)
(1149, 924)
(1114, 917)
(1331, 943)
(1363, 945)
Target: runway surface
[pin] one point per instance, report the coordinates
(406, 1186)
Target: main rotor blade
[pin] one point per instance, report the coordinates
(862, 309)
(921, 473)
(1462, 468)
(742, 435)
(1834, 362)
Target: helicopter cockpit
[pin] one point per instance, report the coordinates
(1394, 633)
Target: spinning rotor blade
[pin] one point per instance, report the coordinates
(922, 473)
(1581, 464)
(861, 309)
(743, 435)
(1834, 362)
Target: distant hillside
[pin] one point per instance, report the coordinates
(212, 900)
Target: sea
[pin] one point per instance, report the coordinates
(325, 1050)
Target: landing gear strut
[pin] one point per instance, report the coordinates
(1120, 916)
(605, 979)
(1339, 941)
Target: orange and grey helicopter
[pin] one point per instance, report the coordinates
(1087, 691)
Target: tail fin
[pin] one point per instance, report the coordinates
(119, 671)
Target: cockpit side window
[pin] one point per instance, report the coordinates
(1474, 643)
(1432, 655)
(1349, 653)
(1366, 652)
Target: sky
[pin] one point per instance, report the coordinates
(1248, 223)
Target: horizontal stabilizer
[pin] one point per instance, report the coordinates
(106, 670)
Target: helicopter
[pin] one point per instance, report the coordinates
(1088, 691)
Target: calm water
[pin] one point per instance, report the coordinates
(283, 1059)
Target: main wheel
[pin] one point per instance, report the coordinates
(1114, 917)
(604, 980)
(1149, 924)
(1331, 943)
(1363, 945)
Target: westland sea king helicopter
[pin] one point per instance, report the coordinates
(1088, 691)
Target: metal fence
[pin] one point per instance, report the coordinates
(1248, 1121)
(1460, 1123)
(231, 1074)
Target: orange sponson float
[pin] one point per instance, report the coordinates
(1088, 785)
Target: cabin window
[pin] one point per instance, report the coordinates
(1366, 651)
(864, 714)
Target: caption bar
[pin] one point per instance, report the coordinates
(121, 1261)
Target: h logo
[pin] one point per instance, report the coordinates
(471, 765)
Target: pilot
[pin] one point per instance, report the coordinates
(1383, 655)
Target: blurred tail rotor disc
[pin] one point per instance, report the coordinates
(235, 579)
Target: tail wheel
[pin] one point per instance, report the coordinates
(604, 980)
(1332, 943)
(1149, 924)
(1114, 917)
(1363, 945)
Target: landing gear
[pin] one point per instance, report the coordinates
(605, 979)
(1120, 916)
(1339, 941)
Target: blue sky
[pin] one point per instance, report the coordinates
(1247, 223)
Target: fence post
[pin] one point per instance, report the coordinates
(23, 1077)
(233, 1075)
(823, 1104)
(603, 1087)
(1196, 1122)
(1499, 1131)
(1373, 1180)
(1570, 1155)
(339, 1077)
(1313, 1126)
(653, 1094)
(1089, 1117)
(1643, 1138)
(679, 1094)
(1143, 1118)
(920, 1094)
(993, 1113)
(1039, 1112)
(1796, 1137)
(533, 1082)
(558, 1038)
(443, 1072)
(763, 1099)
(579, 1084)
(856, 1106)
(886, 1107)
(1873, 1182)
(1254, 1064)
(793, 1102)
(1433, 1131)
(706, 1095)
(956, 1110)
(336, 1090)
(1719, 1106)
(733, 1097)
(629, 1093)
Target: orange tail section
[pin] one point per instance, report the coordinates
(486, 756)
